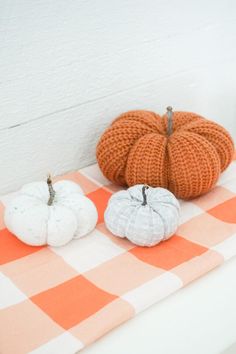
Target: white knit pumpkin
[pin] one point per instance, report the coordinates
(45, 214)
(143, 214)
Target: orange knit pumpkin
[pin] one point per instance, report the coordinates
(180, 151)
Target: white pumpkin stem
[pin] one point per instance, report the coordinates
(144, 194)
(169, 120)
(51, 190)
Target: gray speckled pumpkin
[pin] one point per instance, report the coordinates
(143, 214)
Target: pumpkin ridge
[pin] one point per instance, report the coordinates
(163, 222)
(47, 228)
(220, 139)
(117, 159)
(139, 157)
(148, 119)
(130, 220)
(199, 176)
(169, 204)
(181, 120)
(167, 164)
(172, 176)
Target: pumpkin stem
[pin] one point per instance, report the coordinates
(169, 120)
(144, 194)
(51, 190)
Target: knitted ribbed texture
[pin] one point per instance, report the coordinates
(136, 149)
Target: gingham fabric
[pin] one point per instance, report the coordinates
(58, 300)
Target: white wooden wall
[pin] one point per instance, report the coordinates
(68, 67)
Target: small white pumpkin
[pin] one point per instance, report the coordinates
(143, 214)
(45, 214)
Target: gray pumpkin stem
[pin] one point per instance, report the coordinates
(51, 190)
(169, 120)
(144, 194)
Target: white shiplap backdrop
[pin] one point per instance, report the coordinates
(68, 67)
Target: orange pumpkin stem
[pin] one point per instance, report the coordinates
(170, 120)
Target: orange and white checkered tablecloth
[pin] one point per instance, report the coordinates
(58, 300)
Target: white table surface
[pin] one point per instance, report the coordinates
(198, 319)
